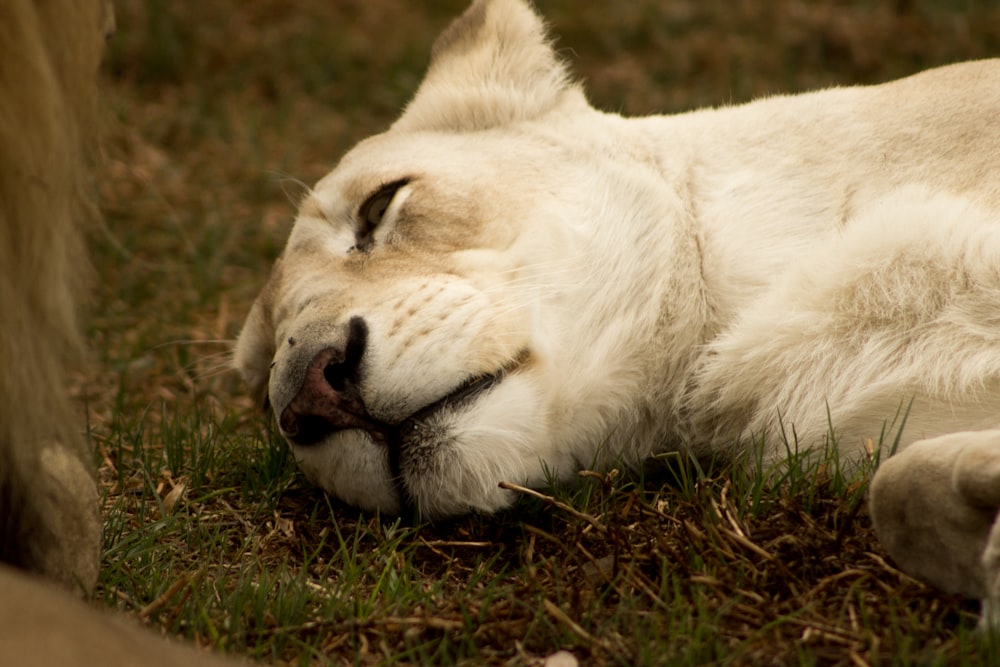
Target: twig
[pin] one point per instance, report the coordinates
(436, 546)
(748, 544)
(857, 660)
(889, 568)
(834, 578)
(385, 622)
(164, 597)
(455, 543)
(562, 617)
(431, 622)
(510, 486)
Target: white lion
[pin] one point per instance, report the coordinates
(509, 284)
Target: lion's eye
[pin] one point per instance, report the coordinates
(376, 207)
(372, 212)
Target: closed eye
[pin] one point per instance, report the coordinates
(372, 213)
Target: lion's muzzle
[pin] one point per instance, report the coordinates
(329, 399)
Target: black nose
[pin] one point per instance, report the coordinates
(342, 374)
(329, 399)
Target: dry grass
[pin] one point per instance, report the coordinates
(218, 113)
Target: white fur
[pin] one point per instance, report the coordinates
(668, 282)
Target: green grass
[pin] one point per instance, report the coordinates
(219, 114)
(711, 566)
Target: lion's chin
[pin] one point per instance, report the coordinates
(351, 467)
(448, 461)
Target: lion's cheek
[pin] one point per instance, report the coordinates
(455, 464)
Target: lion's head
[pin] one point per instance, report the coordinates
(474, 295)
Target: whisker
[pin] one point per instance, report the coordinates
(286, 180)
(193, 341)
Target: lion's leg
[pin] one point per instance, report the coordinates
(991, 568)
(49, 51)
(894, 314)
(935, 506)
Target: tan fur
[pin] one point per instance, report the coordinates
(43, 627)
(49, 520)
(544, 286)
(49, 54)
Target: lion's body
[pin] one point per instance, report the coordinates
(49, 55)
(509, 284)
(49, 513)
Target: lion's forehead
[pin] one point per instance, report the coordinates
(391, 155)
(471, 161)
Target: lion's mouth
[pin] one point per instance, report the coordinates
(423, 437)
(464, 394)
(321, 412)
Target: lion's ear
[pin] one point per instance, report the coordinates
(493, 66)
(255, 346)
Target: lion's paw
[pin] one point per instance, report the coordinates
(935, 507)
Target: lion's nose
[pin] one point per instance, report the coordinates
(340, 368)
(329, 399)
